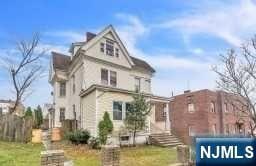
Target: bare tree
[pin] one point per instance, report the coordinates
(24, 67)
(237, 76)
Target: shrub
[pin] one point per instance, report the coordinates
(94, 143)
(78, 136)
(105, 127)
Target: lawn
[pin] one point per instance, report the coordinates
(15, 154)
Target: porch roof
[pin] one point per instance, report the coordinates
(112, 89)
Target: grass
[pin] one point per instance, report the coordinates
(16, 154)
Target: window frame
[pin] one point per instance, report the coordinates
(104, 82)
(111, 76)
(102, 47)
(110, 48)
(117, 52)
(191, 131)
(214, 129)
(62, 115)
(120, 112)
(226, 107)
(73, 84)
(213, 110)
(62, 90)
(189, 110)
(137, 87)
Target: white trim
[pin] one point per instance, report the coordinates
(100, 35)
(168, 123)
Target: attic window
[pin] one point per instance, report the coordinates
(102, 47)
(109, 48)
(117, 52)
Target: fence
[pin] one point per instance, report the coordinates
(15, 128)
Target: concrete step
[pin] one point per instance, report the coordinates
(164, 140)
(171, 145)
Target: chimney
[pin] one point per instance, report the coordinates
(187, 91)
(89, 36)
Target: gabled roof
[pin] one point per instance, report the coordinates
(60, 61)
(102, 34)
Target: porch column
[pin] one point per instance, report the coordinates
(168, 123)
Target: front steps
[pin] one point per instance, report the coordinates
(164, 140)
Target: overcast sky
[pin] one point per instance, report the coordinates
(180, 39)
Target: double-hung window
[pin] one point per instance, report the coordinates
(117, 110)
(62, 89)
(110, 48)
(108, 77)
(104, 76)
(62, 114)
(113, 78)
(137, 84)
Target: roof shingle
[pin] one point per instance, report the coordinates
(142, 64)
(60, 61)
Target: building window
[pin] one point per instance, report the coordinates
(191, 131)
(225, 107)
(104, 76)
(113, 78)
(137, 84)
(214, 129)
(74, 111)
(108, 77)
(227, 131)
(62, 89)
(212, 107)
(62, 114)
(73, 84)
(148, 84)
(117, 52)
(117, 110)
(110, 48)
(127, 109)
(102, 49)
(191, 107)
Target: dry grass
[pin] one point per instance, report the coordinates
(16, 154)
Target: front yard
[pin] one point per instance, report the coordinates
(16, 154)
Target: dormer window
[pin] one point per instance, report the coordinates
(110, 48)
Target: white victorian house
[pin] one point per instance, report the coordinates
(100, 75)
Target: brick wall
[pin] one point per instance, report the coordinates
(202, 120)
(52, 158)
(110, 155)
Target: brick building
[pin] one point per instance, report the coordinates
(207, 112)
